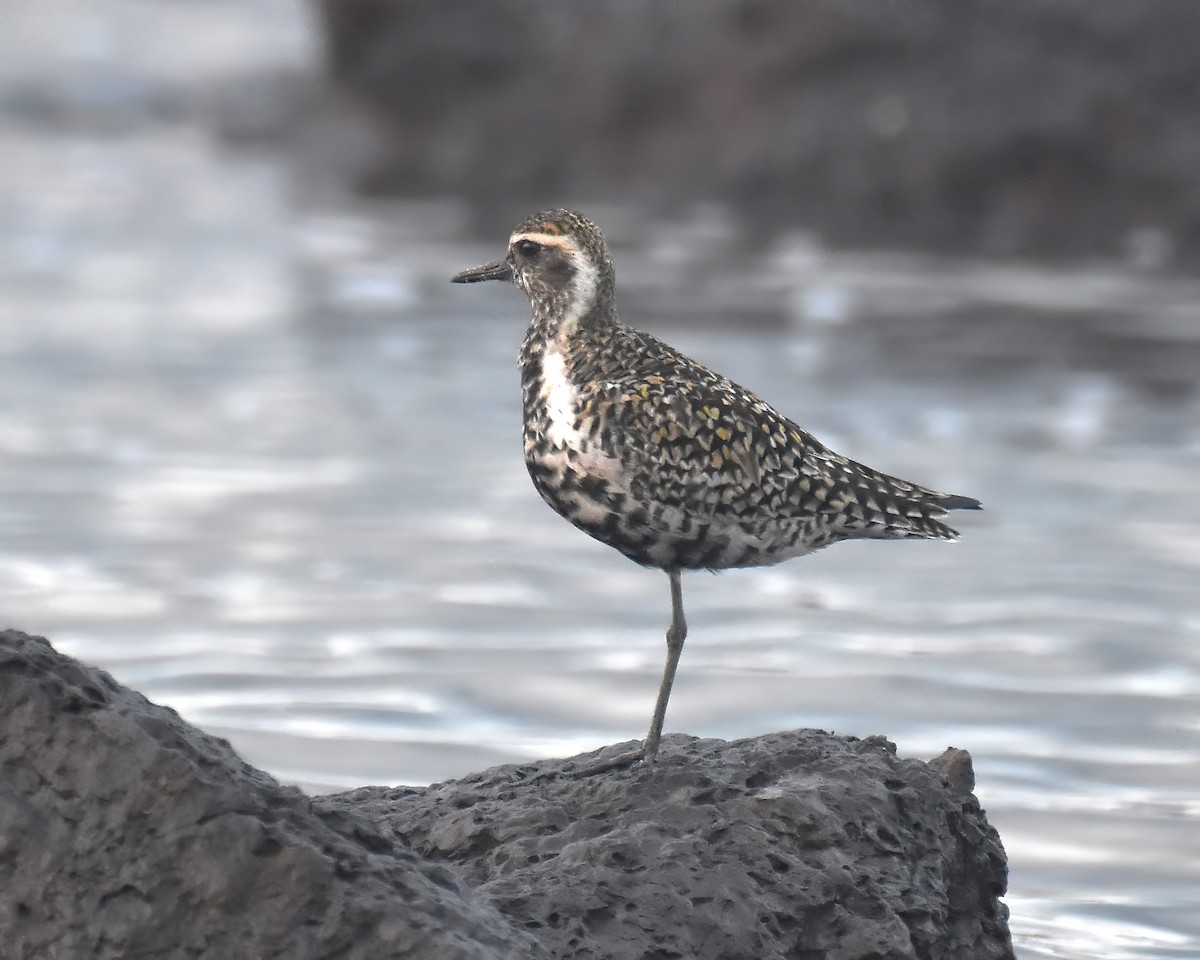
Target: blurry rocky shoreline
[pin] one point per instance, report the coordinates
(1022, 128)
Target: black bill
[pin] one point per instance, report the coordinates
(499, 270)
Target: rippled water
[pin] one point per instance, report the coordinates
(259, 460)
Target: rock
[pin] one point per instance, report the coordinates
(797, 844)
(125, 832)
(1021, 127)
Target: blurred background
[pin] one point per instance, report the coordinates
(262, 462)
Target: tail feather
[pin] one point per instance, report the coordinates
(954, 501)
(926, 509)
(902, 509)
(863, 502)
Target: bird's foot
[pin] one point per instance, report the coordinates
(619, 762)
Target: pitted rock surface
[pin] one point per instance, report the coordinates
(127, 833)
(798, 844)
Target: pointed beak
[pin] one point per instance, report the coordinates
(499, 270)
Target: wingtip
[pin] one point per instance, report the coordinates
(956, 502)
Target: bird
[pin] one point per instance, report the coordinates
(660, 457)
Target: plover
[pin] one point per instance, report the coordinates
(663, 459)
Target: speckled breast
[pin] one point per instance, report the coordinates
(604, 495)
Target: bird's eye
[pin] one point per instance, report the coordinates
(528, 248)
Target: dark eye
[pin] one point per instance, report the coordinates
(527, 248)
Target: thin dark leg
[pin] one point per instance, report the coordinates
(676, 634)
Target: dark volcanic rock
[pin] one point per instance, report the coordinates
(797, 844)
(124, 832)
(1019, 126)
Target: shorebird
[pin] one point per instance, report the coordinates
(670, 463)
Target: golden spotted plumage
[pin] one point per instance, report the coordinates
(659, 457)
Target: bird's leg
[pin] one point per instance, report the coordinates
(676, 634)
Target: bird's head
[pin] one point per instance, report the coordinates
(561, 261)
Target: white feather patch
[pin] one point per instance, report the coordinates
(583, 287)
(560, 399)
(574, 451)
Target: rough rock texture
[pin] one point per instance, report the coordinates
(1014, 126)
(797, 844)
(124, 832)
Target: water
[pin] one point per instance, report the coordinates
(260, 461)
